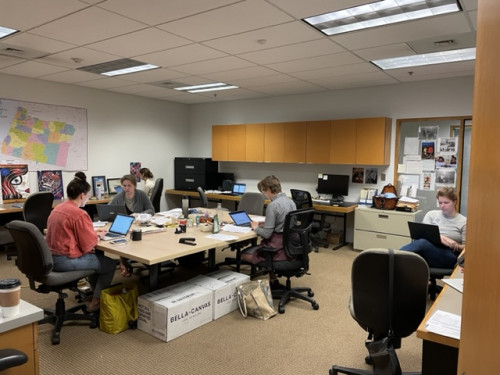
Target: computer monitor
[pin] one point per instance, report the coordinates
(334, 184)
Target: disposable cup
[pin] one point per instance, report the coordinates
(10, 296)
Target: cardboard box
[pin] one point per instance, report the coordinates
(226, 300)
(334, 238)
(173, 311)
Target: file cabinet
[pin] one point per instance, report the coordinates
(193, 172)
(374, 228)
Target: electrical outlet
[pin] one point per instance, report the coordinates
(382, 177)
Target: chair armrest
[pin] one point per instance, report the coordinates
(11, 357)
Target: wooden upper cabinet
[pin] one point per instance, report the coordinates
(343, 142)
(274, 142)
(295, 142)
(219, 142)
(255, 142)
(318, 142)
(373, 141)
(236, 142)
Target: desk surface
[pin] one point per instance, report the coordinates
(28, 314)
(7, 208)
(222, 197)
(449, 300)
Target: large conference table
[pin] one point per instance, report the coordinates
(174, 199)
(158, 247)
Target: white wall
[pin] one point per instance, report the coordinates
(121, 128)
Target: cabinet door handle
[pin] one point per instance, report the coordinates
(382, 236)
(189, 179)
(380, 216)
(189, 166)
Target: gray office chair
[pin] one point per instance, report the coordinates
(156, 194)
(303, 199)
(12, 358)
(34, 260)
(37, 208)
(297, 246)
(437, 274)
(253, 204)
(203, 197)
(370, 299)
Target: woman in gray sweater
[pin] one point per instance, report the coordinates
(134, 200)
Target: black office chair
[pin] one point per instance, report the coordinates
(12, 358)
(303, 199)
(156, 194)
(437, 274)
(253, 204)
(37, 208)
(370, 298)
(34, 260)
(203, 197)
(297, 246)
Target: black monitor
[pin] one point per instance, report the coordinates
(334, 184)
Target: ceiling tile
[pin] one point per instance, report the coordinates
(303, 9)
(181, 55)
(33, 69)
(318, 62)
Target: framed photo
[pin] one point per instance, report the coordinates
(114, 186)
(99, 182)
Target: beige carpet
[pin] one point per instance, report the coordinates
(298, 342)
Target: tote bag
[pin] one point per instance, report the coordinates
(118, 308)
(255, 299)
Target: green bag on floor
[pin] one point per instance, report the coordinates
(118, 309)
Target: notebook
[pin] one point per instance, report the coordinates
(238, 189)
(426, 231)
(241, 218)
(108, 212)
(120, 227)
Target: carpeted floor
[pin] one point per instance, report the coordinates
(298, 342)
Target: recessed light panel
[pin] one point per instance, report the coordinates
(5, 31)
(118, 67)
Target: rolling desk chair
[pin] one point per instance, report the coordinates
(303, 199)
(370, 299)
(203, 197)
(156, 194)
(35, 261)
(37, 208)
(437, 274)
(296, 243)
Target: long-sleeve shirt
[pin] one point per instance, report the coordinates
(141, 205)
(275, 215)
(451, 227)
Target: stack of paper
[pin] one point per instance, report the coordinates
(445, 324)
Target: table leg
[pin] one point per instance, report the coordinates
(438, 359)
(345, 233)
(154, 274)
(211, 259)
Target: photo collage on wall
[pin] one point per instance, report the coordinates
(429, 162)
(364, 176)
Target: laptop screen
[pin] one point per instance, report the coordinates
(240, 217)
(121, 224)
(239, 188)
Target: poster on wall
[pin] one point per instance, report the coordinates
(135, 167)
(427, 132)
(43, 136)
(51, 181)
(15, 181)
(358, 175)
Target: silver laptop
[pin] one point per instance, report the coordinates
(108, 212)
(120, 227)
(241, 218)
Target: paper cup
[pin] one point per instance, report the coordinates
(10, 296)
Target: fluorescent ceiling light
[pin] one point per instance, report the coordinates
(5, 31)
(427, 59)
(380, 13)
(118, 67)
(207, 87)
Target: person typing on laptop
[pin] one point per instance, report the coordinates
(71, 238)
(452, 226)
(271, 230)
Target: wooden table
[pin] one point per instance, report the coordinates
(440, 353)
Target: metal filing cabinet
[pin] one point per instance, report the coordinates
(374, 228)
(193, 172)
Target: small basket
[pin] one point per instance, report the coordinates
(383, 203)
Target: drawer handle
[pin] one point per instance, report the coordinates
(382, 236)
(189, 179)
(383, 216)
(189, 166)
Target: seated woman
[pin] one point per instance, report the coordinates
(452, 226)
(271, 230)
(135, 200)
(149, 183)
(71, 238)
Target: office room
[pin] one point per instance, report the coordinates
(125, 128)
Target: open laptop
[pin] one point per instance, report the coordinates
(108, 212)
(426, 231)
(241, 218)
(238, 189)
(120, 227)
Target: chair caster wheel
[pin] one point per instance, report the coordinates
(56, 340)
(310, 293)
(281, 309)
(315, 306)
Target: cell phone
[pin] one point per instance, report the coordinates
(119, 241)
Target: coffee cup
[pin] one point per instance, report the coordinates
(10, 296)
(136, 235)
